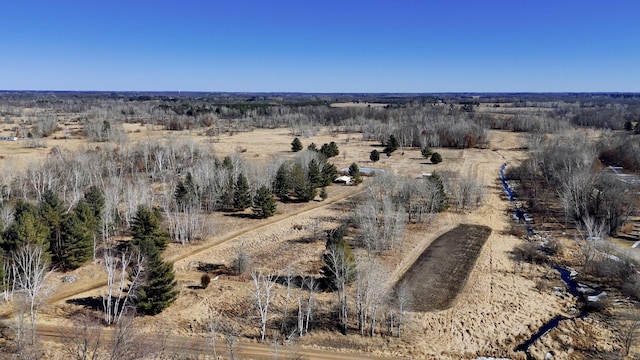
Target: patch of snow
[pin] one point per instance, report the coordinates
(635, 244)
(596, 298)
(573, 274)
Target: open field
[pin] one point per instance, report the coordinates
(469, 298)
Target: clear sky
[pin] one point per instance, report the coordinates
(321, 45)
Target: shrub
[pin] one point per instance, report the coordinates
(436, 158)
(205, 279)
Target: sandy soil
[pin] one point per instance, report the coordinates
(497, 309)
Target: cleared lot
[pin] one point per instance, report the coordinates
(436, 278)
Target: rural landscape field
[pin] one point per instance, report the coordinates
(319, 226)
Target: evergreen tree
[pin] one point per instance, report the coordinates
(51, 211)
(241, 195)
(159, 288)
(302, 188)
(95, 199)
(186, 193)
(27, 227)
(354, 171)
(313, 175)
(374, 156)
(392, 145)
(312, 147)
(296, 145)
(339, 264)
(264, 204)
(436, 158)
(283, 184)
(329, 173)
(426, 152)
(330, 150)
(76, 243)
(146, 226)
(442, 195)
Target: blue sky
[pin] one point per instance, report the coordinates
(321, 46)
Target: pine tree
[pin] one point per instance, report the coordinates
(392, 145)
(241, 195)
(186, 193)
(95, 199)
(51, 211)
(313, 175)
(339, 263)
(426, 152)
(329, 150)
(442, 195)
(329, 173)
(264, 204)
(354, 171)
(302, 188)
(296, 145)
(283, 184)
(76, 242)
(27, 227)
(159, 288)
(146, 226)
(374, 156)
(436, 158)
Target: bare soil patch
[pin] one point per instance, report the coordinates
(443, 268)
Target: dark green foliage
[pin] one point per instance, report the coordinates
(241, 195)
(159, 288)
(392, 145)
(628, 125)
(374, 156)
(443, 203)
(296, 145)
(227, 163)
(312, 147)
(436, 158)
(302, 188)
(329, 150)
(264, 204)
(354, 171)
(76, 243)
(283, 183)
(27, 227)
(51, 211)
(329, 173)
(339, 263)
(146, 226)
(313, 175)
(426, 152)
(186, 193)
(95, 199)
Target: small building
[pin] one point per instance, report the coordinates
(344, 179)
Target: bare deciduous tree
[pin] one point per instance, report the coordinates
(124, 274)
(264, 294)
(31, 269)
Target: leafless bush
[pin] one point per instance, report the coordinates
(242, 263)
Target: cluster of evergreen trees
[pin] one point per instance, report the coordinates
(67, 236)
(294, 181)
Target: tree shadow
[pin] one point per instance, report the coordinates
(320, 284)
(215, 269)
(90, 302)
(241, 215)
